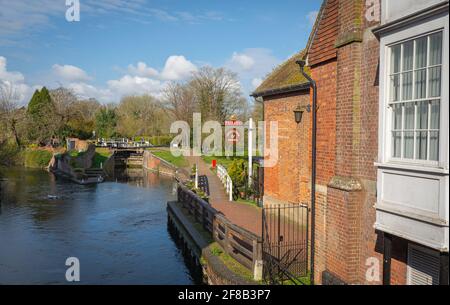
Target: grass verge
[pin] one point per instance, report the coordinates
(230, 262)
(167, 156)
(37, 158)
(100, 157)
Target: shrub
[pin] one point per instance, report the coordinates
(161, 140)
(37, 158)
(238, 172)
(8, 153)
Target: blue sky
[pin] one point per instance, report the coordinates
(124, 47)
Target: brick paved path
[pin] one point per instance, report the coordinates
(244, 215)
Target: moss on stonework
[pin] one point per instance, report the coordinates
(285, 75)
(232, 264)
(345, 183)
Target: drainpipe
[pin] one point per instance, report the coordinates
(261, 101)
(313, 85)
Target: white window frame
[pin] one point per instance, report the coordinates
(413, 100)
(420, 29)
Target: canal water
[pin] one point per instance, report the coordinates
(117, 230)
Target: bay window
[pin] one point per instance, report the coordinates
(415, 73)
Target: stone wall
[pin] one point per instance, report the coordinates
(153, 163)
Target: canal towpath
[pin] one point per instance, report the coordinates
(244, 215)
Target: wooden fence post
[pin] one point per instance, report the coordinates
(257, 260)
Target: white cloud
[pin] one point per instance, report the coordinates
(86, 91)
(312, 16)
(5, 75)
(138, 79)
(16, 81)
(177, 68)
(256, 82)
(252, 65)
(243, 60)
(70, 73)
(253, 62)
(141, 69)
(131, 85)
(19, 18)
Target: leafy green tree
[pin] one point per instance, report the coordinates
(106, 122)
(40, 111)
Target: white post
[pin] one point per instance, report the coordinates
(196, 176)
(231, 189)
(250, 151)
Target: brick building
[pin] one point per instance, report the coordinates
(283, 91)
(382, 196)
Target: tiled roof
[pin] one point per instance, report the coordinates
(285, 76)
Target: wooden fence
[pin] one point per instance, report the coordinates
(242, 245)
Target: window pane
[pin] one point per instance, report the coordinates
(395, 87)
(395, 59)
(396, 144)
(407, 86)
(397, 116)
(422, 115)
(435, 115)
(421, 145)
(408, 50)
(420, 83)
(434, 82)
(409, 116)
(421, 52)
(408, 148)
(436, 49)
(434, 145)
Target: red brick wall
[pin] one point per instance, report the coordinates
(288, 181)
(347, 148)
(325, 77)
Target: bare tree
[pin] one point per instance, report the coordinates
(180, 100)
(141, 116)
(64, 100)
(217, 91)
(9, 104)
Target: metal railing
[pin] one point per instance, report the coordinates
(242, 245)
(226, 180)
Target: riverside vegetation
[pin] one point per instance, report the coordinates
(53, 115)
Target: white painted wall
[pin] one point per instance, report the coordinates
(395, 9)
(413, 198)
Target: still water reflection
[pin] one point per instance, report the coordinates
(118, 230)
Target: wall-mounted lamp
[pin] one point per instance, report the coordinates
(298, 112)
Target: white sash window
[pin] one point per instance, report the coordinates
(415, 73)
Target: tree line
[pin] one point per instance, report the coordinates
(53, 115)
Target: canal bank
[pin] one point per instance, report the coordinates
(223, 252)
(227, 254)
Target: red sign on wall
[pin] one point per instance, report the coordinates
(233, 136)
(233, 123)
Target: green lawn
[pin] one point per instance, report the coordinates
(225, 161)
(100, 157)
(35, 158)
(248, 201)
(167, 156)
